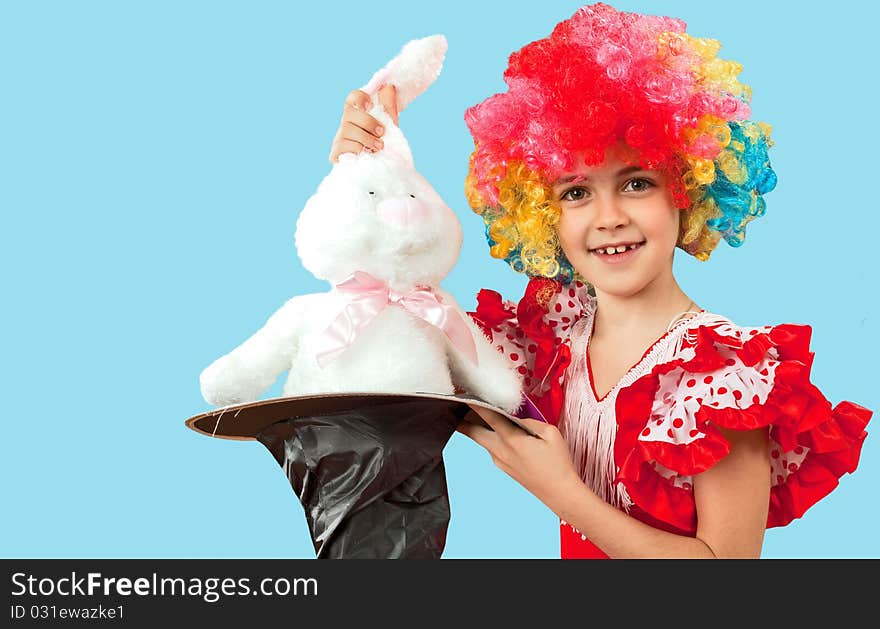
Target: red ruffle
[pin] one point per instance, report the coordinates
(796, 411)
(491, 311)
(551, 356)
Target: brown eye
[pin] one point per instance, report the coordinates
(574, 194)
(639, 184)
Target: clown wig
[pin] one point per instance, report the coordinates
(604, 78)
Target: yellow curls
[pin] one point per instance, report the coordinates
(721, 132)
(523, 226)
(752, 132)
(673, 43)
(766, 129)
(711, 133)
(732, 166)
(694, 237)
(720, 73)
(703, 171)
(706, 48)
(474, 198)
(723, 73)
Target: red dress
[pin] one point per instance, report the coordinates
(639, 445)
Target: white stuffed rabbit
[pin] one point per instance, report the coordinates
(384, 239)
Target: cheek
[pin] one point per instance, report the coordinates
(662, 224)
(569, 233)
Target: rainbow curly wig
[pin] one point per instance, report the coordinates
(605, 77)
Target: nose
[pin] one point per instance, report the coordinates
(402, 211)
(610, 214)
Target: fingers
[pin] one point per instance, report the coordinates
(508, 429)
(354, 138)
(535, 426)
(358, 130)
(388, 98)
(351, 132)
(483, 436)
(497, 422)
(363, 121)
(358, 99)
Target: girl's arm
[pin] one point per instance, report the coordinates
(732, 498)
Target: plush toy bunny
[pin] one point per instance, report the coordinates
(384, 239)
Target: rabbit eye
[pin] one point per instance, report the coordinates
(413, 196)
(372, 193)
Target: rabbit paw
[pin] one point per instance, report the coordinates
(508, 399)
(225, 382)
(501, 388)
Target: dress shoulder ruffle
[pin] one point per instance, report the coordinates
(740, 379)
(534, 334)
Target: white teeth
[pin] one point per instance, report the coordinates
(618, 249)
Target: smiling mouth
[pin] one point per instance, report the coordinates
(618, 250)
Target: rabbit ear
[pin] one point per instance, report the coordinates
(412, 71)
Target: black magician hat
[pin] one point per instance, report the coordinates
(367, 467)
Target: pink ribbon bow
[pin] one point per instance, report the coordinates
(368, 296)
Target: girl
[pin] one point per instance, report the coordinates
(672, 431)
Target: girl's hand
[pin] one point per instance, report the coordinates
(358, 130)
(542, 464)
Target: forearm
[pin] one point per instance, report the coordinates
(617, 534)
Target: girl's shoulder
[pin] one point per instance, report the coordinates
(738, 378)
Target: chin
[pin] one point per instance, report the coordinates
(626, 288)
(619, 292)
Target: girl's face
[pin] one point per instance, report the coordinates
(625, 208)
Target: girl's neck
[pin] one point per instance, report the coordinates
(652, 308)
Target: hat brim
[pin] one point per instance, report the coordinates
(243, 422)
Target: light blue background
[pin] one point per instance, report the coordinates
(154, 157)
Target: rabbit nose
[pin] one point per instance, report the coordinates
(402, 210)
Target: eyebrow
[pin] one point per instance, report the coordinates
(623, 171)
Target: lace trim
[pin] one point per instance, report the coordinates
(589, 425)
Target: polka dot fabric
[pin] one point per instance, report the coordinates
(737, 378)
(667, 420)
(680, 394)
(534, 335)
